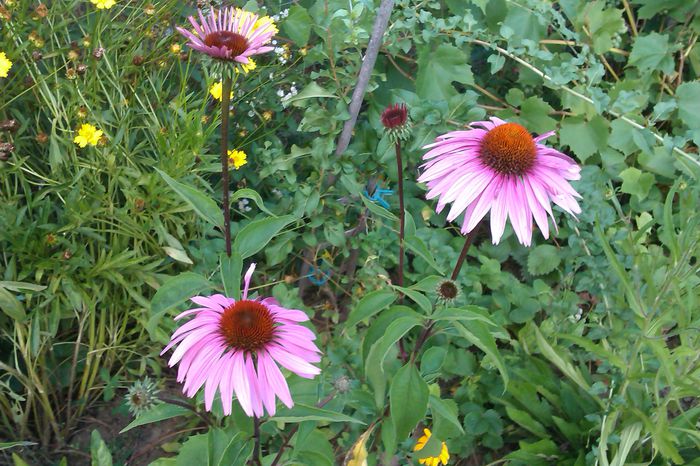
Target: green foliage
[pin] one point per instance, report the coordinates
(579, 351)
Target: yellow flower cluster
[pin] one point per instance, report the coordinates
(5, 65)
(103, 4)
(88, 134)
(431, 460)
(217, 89)
(237, 158)
(246, 68)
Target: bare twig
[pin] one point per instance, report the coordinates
(375, 42)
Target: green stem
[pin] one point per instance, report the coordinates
(225, 101)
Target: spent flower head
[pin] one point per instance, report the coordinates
(142, 396)
(447, 291)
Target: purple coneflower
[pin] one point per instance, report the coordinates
(499, 166)
(230, 34)
(235, 346)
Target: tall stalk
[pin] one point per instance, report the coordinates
(402, 212)
(225, 103)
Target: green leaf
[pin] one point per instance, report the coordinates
(175, 290)
(628, 437)
(159, 412)
(527, 421)
(636, 182)
(247, 193)
(18, 461)
(201, 203)
(379, 210)
(467, 314)
(20, 443)
(11, 305)
(231, 270)
(228, 448)
(298, 25)
(301, 412)
(254, 237)
(543, 259)
(479, 335)
(603, 25)
(369, 305)
(584, 138)
(438, 69)
(431, 449)
(312, 90)
(417, 297)
(688, 95)
(408, 400)
(444, 411)
(99, 453)
(374, 364)
(415, 244)
(652, 52)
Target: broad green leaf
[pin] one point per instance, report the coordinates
(298, 25)
(636, 182)
(431, 449)
(652, 53)
(11, 305)
(99, 453)
(20, 286)
(175, 290)
(479, 335)
(445, 413)
(603, 24)
(408, 400)
(379, 210)
(688, 95)
(159, 412)
(369, 305)
(231, 270)
(228, 448)
(254, 236)
(543, 259)
(415, 244)
(177, 254)
(585, 138)
(438, 69)
(247, 193)
(467, 314)
(201, 203)
(527, 421)
(18, 461)
(417, 297)
(194, 451)
(374, 364)
(301, 412)
(311, 91)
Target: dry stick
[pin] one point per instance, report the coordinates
(375, 42)
(225, 100)
(278, 456)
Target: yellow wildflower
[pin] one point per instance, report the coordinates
(103, 4)
(88, 134)
(175, 48)
(217, 89)
(237, 158)
(266, 21)
(431, 460)
(267, 115)
(5, 65)
(246, 68)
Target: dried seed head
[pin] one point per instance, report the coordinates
(98, 52)
(37, 55)
(42, 137)
(9, 125)
(81, 68)
(137, 60)
(447, 291)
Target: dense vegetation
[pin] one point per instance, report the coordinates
(582, 349)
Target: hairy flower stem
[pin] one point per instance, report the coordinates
(402, 213)
(225, 102)
(255, 460)
(402, 234)
(463, 254)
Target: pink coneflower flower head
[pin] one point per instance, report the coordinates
(236, 346)
(499, 166)
(230, 34)
(396, 122)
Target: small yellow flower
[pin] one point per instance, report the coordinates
(266, 21)
(175, 48)
(88, 134)
(217, 89)
(103, 4)
(5, 65)
(246, 68)
(267, 115)
(432, 460)
(237, 158)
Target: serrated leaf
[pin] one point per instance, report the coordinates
(584, 138)
(636, 182)
(651, 53)
(438, 69)
(543, 259)
(408, 389)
